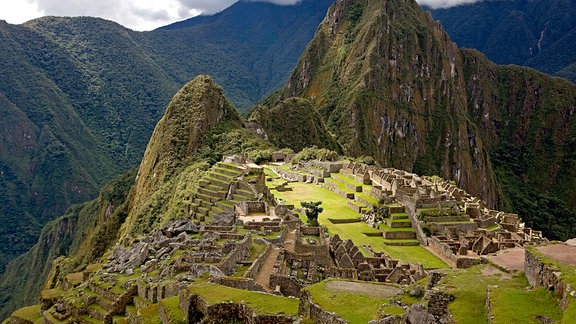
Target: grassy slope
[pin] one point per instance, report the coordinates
(353, 307)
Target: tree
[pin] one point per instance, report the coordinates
(312, 210)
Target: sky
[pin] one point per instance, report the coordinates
(138, 14)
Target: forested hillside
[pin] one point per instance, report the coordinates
(540, 33)
(80, 96)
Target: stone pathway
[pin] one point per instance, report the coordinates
(263, 276)
(290, 241)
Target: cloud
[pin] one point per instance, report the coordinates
(141, 14)
(134, 14)
(19, 11)
(435, 4)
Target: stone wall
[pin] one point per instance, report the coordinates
(307, 308)
(400, 235)
(484, 223)
(321, 252)
(416, 225)
(239, 283)
(288, 286)
(281, 236)
(462, 227)
(255, 267)
(228, 264)
(293, 176)
(540, 274)
(334, 188)
(357, 207)
(345, 221)
(443, 249)
(197, 309)
(332, 167)
(309, 230)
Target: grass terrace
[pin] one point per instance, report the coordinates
(172, 310)
(362, 195)
(336, 207)
(361, 307)
(511, 301)
(260, 303)
(29, 314)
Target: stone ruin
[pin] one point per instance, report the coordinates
(460, 239)
(316, 259)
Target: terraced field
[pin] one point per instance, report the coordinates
(336, 207)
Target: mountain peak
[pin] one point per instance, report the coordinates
(197, 108)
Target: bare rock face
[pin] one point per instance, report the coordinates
(177, 227)
(224, 219)
(123, 260)
(417, 314)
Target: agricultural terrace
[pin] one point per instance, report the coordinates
(336, 207)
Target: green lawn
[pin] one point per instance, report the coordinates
(336, 207)
(362, 195)
(353, 307)
(30, 313)
(511, 301)
(172, 310)
(258, 302)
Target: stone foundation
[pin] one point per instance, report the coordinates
(541, 274)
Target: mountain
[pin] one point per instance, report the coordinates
(539, 33)
(390, 84)
(380, 78)
(80, 96)
(199, 126)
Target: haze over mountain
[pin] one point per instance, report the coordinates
(81, 96)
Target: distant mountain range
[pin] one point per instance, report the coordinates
(79, 97)
(537, 33)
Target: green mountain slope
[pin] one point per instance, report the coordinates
(540, 34)
(81, 96)
(389, 83)
(199, 126)
(50, 158)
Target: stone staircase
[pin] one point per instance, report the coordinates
(397, 229)
(214, 191)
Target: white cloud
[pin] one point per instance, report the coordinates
(19, 11)
(435, 4)
(140, 14)
(134, 14)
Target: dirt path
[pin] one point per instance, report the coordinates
(290, 241)
(263, 276)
